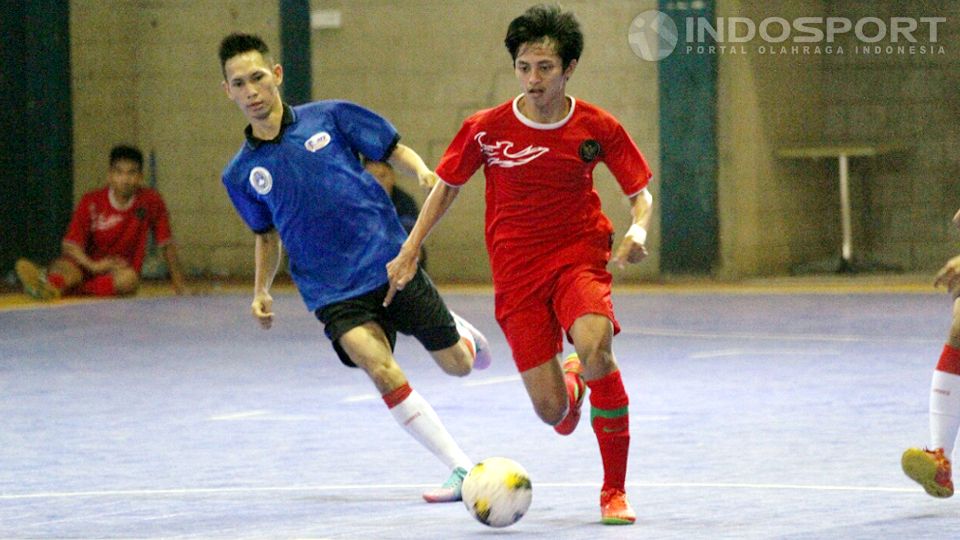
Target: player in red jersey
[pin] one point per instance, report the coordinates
(106, 241)
(548, 241)
(931, 467)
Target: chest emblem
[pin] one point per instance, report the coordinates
(589, 150)
(317, 141)
(261, 180)
(501, 154)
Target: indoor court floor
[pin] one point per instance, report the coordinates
(770, 410)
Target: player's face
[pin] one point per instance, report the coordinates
(540, 71)
(253, 84)
(124, 178)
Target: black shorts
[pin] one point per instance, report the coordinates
(417, 310)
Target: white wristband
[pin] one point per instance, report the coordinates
(637, 233)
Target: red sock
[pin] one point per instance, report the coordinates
(101, 285)
(397, 395)
(57, 281)
(949, 360)
(611, 423)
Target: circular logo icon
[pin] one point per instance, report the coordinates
(261, 180)
(653, 35)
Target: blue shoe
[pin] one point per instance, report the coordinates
(450, 490)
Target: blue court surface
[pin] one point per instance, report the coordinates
(754, 414)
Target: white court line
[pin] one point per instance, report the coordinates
(240, 415)
(382, 487)
(663, 332)
(771, 352)
(493, 380)
(360, 397)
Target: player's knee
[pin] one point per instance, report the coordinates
(460, 366)
(597, 361)
(125, 282)
(551, 409)
(455, 360)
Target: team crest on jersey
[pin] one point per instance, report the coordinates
(261, 180)
(317, 141)
(500, 153)
(589, 150)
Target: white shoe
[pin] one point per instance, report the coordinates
(483, 358)
(450, 491)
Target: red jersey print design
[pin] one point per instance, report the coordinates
(499, 155)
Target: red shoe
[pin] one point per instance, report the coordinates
(615, 508)
(930, 469)
(576, 389)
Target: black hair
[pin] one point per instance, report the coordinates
(543, 22)
(239, 43)
(126, 152)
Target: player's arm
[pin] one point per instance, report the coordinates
(956, 219)
(404, 266)
(80, 256)
(173, 266)
(949, 276)
(633, 248)
(266, 263)
(409, 162)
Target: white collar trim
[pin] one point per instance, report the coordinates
(537, 125)
(116, 205)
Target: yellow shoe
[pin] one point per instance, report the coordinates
(930, 469)
(34, 281)
(576, 389)
(615, 509)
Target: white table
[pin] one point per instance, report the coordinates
(842, 153)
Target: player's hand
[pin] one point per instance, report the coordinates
(633, 248)
(428, 179)
(262, 309)
(949, 276)
(956, 219)
(400, 271)
(108, 264)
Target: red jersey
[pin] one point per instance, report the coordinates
(539, 191)
(102, 230)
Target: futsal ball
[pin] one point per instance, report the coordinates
(497, 491)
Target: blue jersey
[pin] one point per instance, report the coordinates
(337, 224)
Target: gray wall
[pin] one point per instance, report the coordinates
(903, 205)
(146, 72)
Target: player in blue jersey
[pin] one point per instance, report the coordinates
(298, 182)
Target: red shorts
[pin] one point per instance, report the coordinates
(534, 318)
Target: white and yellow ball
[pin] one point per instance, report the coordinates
(497, 491)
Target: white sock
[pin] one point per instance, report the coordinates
(416, 416)
(465, 332)
(944, 411)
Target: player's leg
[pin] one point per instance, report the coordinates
(931, 468)
(548, 393)
(65, 274)
(455, 344)
(46, 284)
(609, 412)
(585, 308)
(119, 282)
(125, 281)
(370, 349)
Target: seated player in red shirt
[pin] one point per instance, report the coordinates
(106, 241)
